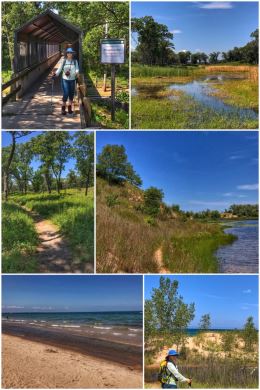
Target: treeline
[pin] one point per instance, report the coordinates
(155, 47)
(52, 149)
(90, 17)
(113, 166)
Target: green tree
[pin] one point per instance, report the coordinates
(38, 181)
(8, 156)
(83, 150)
(184, 57)
(72, 179)
(228, 340)
(168, 314)
(250, 334)
(154, 41)
(152, 201)
(205, 322)
(53, 149)
(113, 165)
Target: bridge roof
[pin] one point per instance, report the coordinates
(48, 26)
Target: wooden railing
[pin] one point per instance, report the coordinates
(84, 102)
(18, 77)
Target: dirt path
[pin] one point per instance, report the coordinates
(53, 252)
(158, 256)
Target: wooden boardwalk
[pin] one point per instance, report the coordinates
(35, 111)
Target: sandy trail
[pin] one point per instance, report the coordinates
(158, 256)
(28, 364)
(53, 252)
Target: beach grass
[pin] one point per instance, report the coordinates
(19, 240)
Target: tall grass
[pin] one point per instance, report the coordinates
(214, 373)
(127, 239)
(73, 212)
(161, 71)
(19, 240)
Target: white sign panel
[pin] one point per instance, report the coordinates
(112, 51)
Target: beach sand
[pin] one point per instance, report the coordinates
(30, 364)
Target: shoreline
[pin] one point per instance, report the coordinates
(105, 349)
(31, 364)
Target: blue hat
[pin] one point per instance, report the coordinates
(172, 352)
(70, 50)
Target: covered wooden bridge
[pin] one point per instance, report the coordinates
(30, 100)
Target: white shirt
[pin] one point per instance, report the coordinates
(174, 370)
(69, 65)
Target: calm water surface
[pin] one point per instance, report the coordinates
(242, 255)
(200, 89)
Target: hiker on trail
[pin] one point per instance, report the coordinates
(169, 374)
(70, 70)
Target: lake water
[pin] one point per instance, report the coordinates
(242, 255)
(201, 89)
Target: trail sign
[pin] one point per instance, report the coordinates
(112, 51)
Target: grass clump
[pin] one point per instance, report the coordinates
(19, 240)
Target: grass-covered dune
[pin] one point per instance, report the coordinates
(71, 211)
(128, 240)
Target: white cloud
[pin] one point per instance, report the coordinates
(236, 157)
(248, 291)
(228, 194)
(13, 307)
(177, 31)
(248, 187)
(215, 5)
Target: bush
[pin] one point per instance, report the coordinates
(112, 200)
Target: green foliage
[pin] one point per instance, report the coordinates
(19, 240)
(152, 201)
(250, 334)
(154, 41)
(83, 150)
(72, 212)
(150, 220)
(112, 200)
(244, 210)
(228, 341)
(114, 166)
(168, 315)
(205, 322)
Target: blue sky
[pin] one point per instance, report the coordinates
(229, 299)
(203, 26)
(71, 293)
(6, 140)
(197, 170)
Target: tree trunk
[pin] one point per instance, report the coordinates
(87, 183)
(47, 181)
(6, 174)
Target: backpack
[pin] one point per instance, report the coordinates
(164, 374)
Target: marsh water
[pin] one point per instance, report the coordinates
(201, 89)
(242, 255)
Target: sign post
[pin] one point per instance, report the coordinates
(113, 53)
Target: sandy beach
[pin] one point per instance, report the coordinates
(30, 364)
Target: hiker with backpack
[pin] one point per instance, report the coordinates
(69, 69)
(169, 374)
